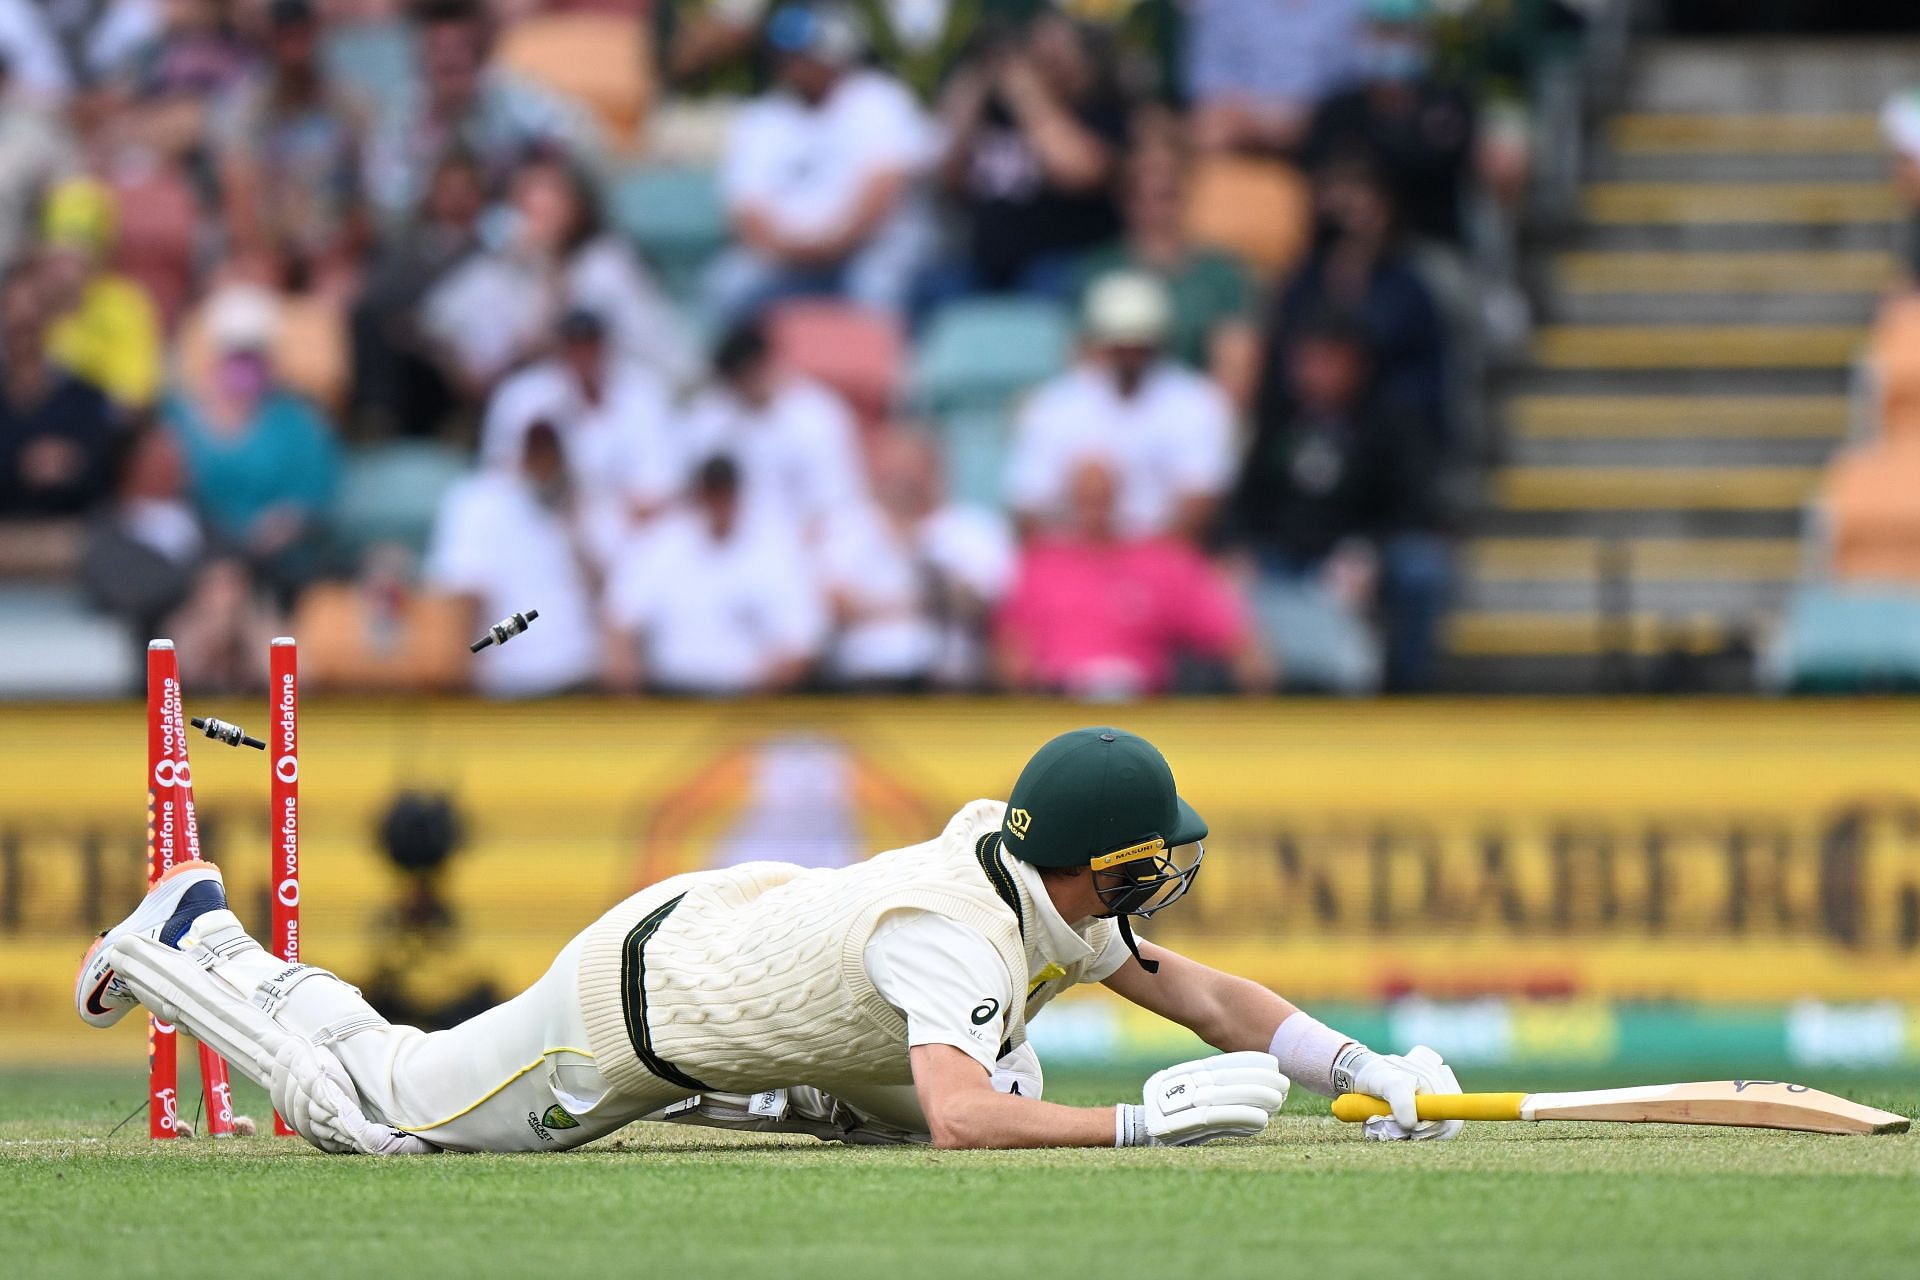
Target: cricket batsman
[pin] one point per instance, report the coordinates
(886, 1001)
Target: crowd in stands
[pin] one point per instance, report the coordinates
(1105, 347)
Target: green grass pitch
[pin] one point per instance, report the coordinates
(1308, 1199)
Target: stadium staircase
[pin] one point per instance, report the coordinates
(1690, 375)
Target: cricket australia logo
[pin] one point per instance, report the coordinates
(1019, 822)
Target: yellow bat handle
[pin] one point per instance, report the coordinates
(1355, 1107)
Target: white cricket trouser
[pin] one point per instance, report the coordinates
(493, 1082)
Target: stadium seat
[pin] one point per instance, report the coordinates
(1258, 209)
(1872, 500)
(856, 351)
(53, 646)
(343, 646)
(981, 352)
(604, 61)
(676, 218)
(973, 449)
(310, 352)
(1847, 639)
(157, 216)
(390, 493)
(1320, 647)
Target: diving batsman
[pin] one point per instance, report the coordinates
(887, 1001)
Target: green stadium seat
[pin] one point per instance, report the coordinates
(53, 646)
(391, 492)
(1321, 647)
(974, 444)
(1835, 640)
(981, 352)
(677, 219)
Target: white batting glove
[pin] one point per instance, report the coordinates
(1232, 1095)
(313, 1095)
(1395, 1080)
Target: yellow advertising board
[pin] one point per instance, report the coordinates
(1688, 851)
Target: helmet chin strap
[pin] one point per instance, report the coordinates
(1133, 944)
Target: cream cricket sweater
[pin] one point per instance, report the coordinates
(754, 976)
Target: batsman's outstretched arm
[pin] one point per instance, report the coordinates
(1233, 1095)
(1236, 1014)
(964, 1110)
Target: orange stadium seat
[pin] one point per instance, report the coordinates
(603, 60)
(341, 648)
(310, 353)
(1872, 496)
(1258, 209)
(856, 351)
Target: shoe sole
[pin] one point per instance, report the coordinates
(91, 1010)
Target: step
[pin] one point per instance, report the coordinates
(1722, 598)
(1840, 271)
(1801, 75)
(1668, 451)
(1697, 133)
(1653, 488)
(1706, 307)
(1725, 237)
(1561, 417)
(1482, 633)
(1608, 165)
(1697, 346)
(1644, 559)
(1620, 523)
(1621, 203)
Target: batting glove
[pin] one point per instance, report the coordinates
(1395, 1080)
(1229, 1096)
(311, 1093)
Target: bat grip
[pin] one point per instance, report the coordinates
(1355, 1107)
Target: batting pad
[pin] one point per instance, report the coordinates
(171, 985)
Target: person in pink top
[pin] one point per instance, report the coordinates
(1094, 613)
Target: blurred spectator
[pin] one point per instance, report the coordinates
(713, 599)
(611, 417)
(1097, 613)
(1415, 130)
(550, 252)
(31, 54)
(1166, 431)
(399, 385)
(1214, 327)
(196, 57)
(1360, 268)
(1340, 491)
(34, 148)
(1257, 68)
(793, 439)
(1034, 131)
(819, 176)
(290, 151)
(107, 329)
(456, 102)
(153, 563)
(911, 577)
(55, 428)
(508, 536)
(263, 463)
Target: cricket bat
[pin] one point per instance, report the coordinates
(1748, 1104)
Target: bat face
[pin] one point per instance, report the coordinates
(1757, 1104)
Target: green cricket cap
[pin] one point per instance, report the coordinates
(1091, 792)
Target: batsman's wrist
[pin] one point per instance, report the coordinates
(1348, 1064)
(1309, 1050)
(1130, 1126)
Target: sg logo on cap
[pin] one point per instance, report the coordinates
(1018, 821)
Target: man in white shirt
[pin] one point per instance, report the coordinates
(505, 538)
(794, 439)
(819, 176)
(1166, 431)
(612, 418)
(712, 601)
(911, 577)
